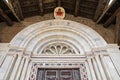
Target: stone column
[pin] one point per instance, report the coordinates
(88, 71)
(91, 68)
(28, 71)
(17, 64)
(27, 59)
(10, 67)
(3, 51)
(114, 54)
(20, 69)
(100, 62)
(11, 52)
(105, 68)
(97, 59)
(96, 69)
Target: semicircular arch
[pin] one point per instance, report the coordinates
(32, 37)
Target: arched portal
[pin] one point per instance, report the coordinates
(60, 50)
(79, 36)
(60, 45)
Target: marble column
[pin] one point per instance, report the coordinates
(10, 68)
(25, 68)
(17, 64)
(96, 69)
(88, 71)
(91, 69)
(28, 71)
(20, 69)
(115, 59)
(105, 68)
(16, 67)
(102, 73)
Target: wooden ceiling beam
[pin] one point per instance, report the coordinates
(117, 29)
(75, 7)
(109, 21)
(87, 6)
(87, 12)
(17, 12)
(100, 9)
(59, 2)
(41, 7)
(77, 4)
(4, 16)
(98, 18)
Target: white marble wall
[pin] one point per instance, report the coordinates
(3, 50)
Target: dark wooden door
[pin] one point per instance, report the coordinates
(58, 74)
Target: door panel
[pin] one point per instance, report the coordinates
(58, 74)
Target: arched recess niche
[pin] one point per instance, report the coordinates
(36, 37)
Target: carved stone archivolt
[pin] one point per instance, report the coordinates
(79, 37)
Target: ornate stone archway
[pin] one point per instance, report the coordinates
(61, 44)
(72, 33)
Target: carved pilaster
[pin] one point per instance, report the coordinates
(105, 68)
(100, 67)
(19, 61)
(91, 68)
(24, 70)
(3, 52)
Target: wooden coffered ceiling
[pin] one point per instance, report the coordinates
(26, 8)
(20, 9)
(84, 8)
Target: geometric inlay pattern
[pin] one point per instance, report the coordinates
(36, 66)
(58, 48)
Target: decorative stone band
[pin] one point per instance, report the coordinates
(33, 37)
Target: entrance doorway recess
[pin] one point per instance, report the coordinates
(58, 74)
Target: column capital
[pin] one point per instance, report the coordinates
(101, 50)
(113, 48)
(27, 54)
